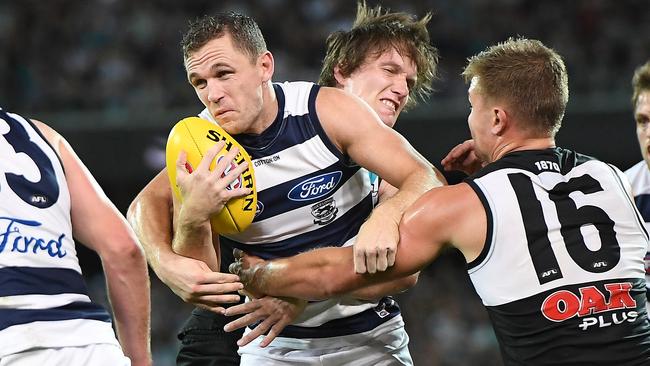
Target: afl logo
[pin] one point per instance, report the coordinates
(315, 187)
(237, 183)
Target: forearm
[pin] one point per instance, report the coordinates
(379, 290)
(325, 273)
(313, 275)
(193, 239)
(150, 215)
(128, 290)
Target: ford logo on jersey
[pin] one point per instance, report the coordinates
(23, 243)
(315, 187)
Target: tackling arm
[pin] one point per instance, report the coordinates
(374, 292)
(381, 150)
(150, 214)
(323, 273)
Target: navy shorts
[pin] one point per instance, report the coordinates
(205, 343)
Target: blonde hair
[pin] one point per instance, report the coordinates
(527, 75)
(640, 82)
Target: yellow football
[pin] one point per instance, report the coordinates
(195, 136)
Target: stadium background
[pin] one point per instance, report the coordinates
(108, 75)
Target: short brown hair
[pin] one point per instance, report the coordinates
(244, 31)
(527, 75)
(374, 32)
(640, 82)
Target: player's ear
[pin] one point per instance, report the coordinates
(338, 75)
(500, 121)
(267, 65)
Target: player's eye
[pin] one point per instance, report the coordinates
(199, 83)
(223, 73)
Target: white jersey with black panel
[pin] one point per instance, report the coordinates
(562, 273)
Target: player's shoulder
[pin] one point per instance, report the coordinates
(45, 129)
(638, 170)
(295, 85)
(639, 177)
(296, 90)
(48, 133)
(297, 98)
(446, 202)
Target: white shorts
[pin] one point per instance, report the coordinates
(386, 345)
(92, 354)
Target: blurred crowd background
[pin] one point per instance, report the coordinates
(108, 75)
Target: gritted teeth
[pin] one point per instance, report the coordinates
(390, 104)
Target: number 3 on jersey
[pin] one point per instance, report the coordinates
(571, 219)
(43, 193)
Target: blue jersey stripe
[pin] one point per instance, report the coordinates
(40, 281)
(276, 200)
(358, 323)
(255, 144)
(295, 130)
(321, 132)
(642, 202)
(333, 234)
(283, 133)
(74, 310)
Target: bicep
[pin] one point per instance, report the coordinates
(426, 227)
(150, 213)
(388, 154)
(358, 132)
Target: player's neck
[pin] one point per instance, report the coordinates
(509, 146)
(269, 109)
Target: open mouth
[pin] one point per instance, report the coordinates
(391, 105)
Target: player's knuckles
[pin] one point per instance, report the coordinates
(194, 290)
(227, 287)
(382, 264)
(359, 257)
(371, 267)
(230, 298)
(226, 278)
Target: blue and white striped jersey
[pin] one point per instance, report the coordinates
(43, 298)
(639, 176)
(310, 195)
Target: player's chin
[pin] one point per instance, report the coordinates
(389, 119)
(230, 126)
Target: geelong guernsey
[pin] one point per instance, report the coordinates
(639, 176)
(309, 195)
(43, 298)
(561, 273)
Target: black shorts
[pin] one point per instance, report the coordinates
(205, 343)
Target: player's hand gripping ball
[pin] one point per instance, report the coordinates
(195, 136)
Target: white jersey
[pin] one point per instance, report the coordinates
(639, 176)
(309, 195)
(43, 298)
(561, 273)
